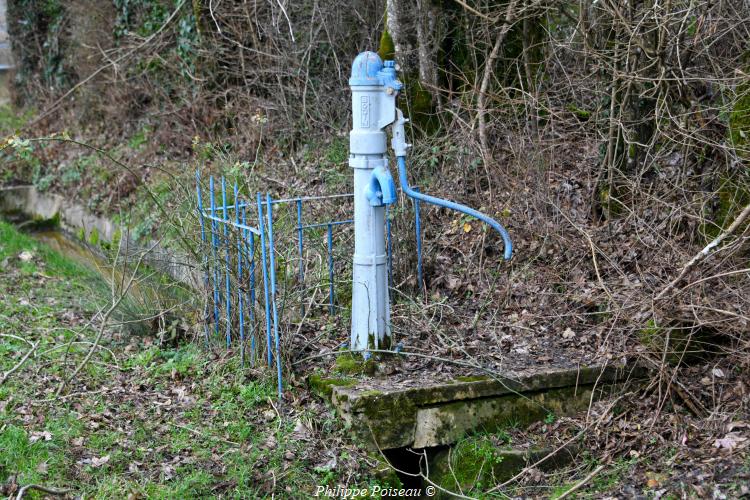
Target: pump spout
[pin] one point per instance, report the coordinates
(398, 142)
(381, 190)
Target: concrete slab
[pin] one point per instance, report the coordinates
(441, 413)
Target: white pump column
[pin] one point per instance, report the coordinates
(374, 89)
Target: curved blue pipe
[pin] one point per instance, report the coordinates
(453, 206)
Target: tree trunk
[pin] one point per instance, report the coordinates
(396, 25)
(427, 43)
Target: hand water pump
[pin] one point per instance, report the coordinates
(375, 86)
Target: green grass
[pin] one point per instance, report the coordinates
(607, 480)
(179, 362)
(11, 120)
(84, 285)
(19, 455)
(12, 243)
(175, 421)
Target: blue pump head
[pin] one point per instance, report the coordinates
(365, 69)
(369, 69)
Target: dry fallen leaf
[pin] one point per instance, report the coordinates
(98, 462)
(737, 425)
(730, 441)
(269, 415)
(453, 282)
(167, 471)
(270, 443)
(40, 436)
(300, 430)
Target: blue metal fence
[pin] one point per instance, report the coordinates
(233, 266)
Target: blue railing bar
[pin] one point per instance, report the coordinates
(301, 248)
(251, 303)
(252, 299)
(299, 198)
(330, 268)
(228, 296)
(269, 209)
(312, 198)
(389, 245)
(232, 206)
(264, 267)
(240, 311)
(418, 231)
(233, 224)
(325, 224)
(205, 257)
(214, 246)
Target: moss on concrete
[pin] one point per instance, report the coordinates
(354, 364)
(441, 414)
(477, 462)
(472, 460)
(385, 422)
(682, 343)
(472, 378)
(39, 223)
(447, 423)
(323, 386)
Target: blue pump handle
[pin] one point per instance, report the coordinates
(508, 244)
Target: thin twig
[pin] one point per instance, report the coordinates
(556, 450)
(44, 489)
(580, 483)
(18, 365)
(203, 435)
(705, 252)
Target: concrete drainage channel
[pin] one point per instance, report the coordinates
(26, 203)
(409, 424)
